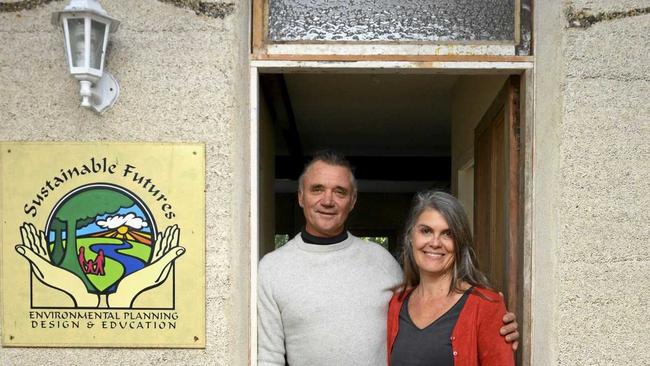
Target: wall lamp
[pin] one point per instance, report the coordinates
(86, 26)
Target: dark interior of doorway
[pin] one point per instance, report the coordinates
(395, 129)
(403, 133)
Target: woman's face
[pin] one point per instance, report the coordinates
(433, 247)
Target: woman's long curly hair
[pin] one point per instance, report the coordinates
(465, 262)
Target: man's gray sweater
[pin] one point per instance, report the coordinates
(325, 305)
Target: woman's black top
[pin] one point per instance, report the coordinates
(428, 346)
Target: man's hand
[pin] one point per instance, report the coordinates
(509, 329)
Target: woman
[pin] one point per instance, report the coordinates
(445, 313)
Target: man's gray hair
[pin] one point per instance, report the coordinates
(330, 157)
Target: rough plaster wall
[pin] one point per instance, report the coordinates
(238, 307)
(603, 268)
(609, 5)
(183, 77)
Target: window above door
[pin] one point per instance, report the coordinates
(391, 27)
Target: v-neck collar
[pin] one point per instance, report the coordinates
(436, 320)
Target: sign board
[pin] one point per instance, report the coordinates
(103, 244)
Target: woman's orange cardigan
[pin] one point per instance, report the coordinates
(475, 339)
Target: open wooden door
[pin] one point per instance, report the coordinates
(498, 195)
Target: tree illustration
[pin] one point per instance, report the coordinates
(58, 227)
(80, 210)
(57, 251)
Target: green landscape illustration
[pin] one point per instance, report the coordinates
(101, 235)
(100, 242)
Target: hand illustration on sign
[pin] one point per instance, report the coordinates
(166, 250)
(34, 249)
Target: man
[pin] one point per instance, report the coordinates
(323, 296)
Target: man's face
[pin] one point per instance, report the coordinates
(326, 198)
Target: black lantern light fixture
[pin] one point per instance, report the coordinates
(86, 26)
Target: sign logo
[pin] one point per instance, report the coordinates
(103, 244)
(101, 240)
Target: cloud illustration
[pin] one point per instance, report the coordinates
(130, 220)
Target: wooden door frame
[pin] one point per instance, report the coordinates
(515, 170)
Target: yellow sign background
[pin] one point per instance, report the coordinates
(169, 314)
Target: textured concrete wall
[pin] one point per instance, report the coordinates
(604, 266)
(598, 125)
(183, 77)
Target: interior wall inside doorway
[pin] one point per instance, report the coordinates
(471, 98)
(267, 197)
(383, 202)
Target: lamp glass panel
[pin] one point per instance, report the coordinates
(76, 30)
(97, 30)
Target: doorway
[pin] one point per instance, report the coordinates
(403, 132)
(390, 126)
